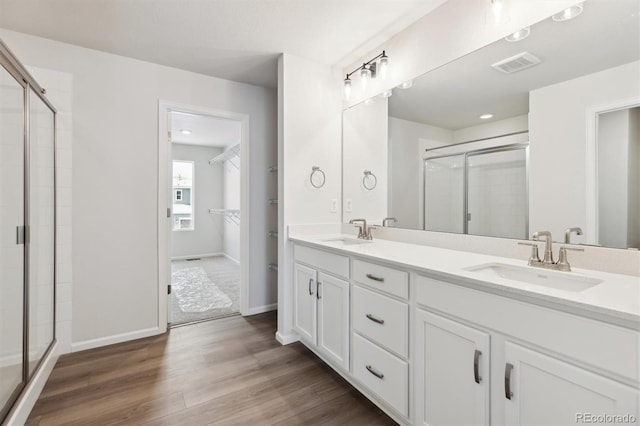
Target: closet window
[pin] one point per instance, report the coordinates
(183, 196)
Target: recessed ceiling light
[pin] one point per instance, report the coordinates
(185, 131)
(568, 13)
(486, 116)
(519, 35)
(407, 84)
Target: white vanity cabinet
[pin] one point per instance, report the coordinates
(545, 367)
(451, 371)
(380, 339)
(321, 303)
(542, 390)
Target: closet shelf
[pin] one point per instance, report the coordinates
(226, 212)
(230, 153)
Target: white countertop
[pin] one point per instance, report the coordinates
(616, 299)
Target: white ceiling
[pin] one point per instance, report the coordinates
(205, 130)
(605, 35)
(232, 39)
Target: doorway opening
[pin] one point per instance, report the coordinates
(204, 192)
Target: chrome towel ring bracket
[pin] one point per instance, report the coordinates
(317, 177)
(369, 181)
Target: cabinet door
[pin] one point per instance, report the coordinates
(541, 390)
(333, 318)
(304, 320)
(452, 372)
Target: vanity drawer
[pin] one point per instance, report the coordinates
(382, 319)
(389, 280)
(387, 375)
(320, 259)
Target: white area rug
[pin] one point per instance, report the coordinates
(196, 292)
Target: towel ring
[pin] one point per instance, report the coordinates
(368, 176)
(314, 170)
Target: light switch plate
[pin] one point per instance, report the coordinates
(334, 205)
(348, 205)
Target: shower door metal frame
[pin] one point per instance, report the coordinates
(465, 178)
(13, 66)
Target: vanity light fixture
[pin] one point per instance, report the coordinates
(373, 68)
(519, 35)
(407, 84)
(185, 131)
(486, 116)
(569, 13)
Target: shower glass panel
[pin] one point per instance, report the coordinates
(41, 229)
(11, 253)
(444, 194)
(497, 194)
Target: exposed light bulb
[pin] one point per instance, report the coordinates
(496, 8)
(519, 35)
(365, 76)
(347, 88)
(383, 64)
(407, 84)
(568, 13)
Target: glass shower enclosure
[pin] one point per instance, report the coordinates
(478, 192)
(27, 228)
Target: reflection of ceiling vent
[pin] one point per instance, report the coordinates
(516, 63)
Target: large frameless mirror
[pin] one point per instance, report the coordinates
(497, 142)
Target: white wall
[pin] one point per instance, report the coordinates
(309, 134)
(633, 232)
(558, 126)
(407, 142)
(115, 145)
(491, 129)
(231, 200)
(206, 238)
(365, 147)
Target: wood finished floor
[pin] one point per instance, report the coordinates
(229, 371)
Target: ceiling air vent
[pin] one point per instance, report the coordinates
(516, 63)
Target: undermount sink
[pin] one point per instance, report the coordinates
(347, 241)
(566, 281)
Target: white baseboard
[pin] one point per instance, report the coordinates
(21, 410)
(117, 338)
(236, 261)
(261, 309)
(194, 256)
(286, 339)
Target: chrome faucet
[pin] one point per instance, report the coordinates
(548, 251)
(364, 231)
(386, 220)
(569, 231)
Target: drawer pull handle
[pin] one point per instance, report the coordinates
(507, 380)
(310, 291)
(371, 370)
(476, 359)
(373, 277)
(318, 290)
(375, 319)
